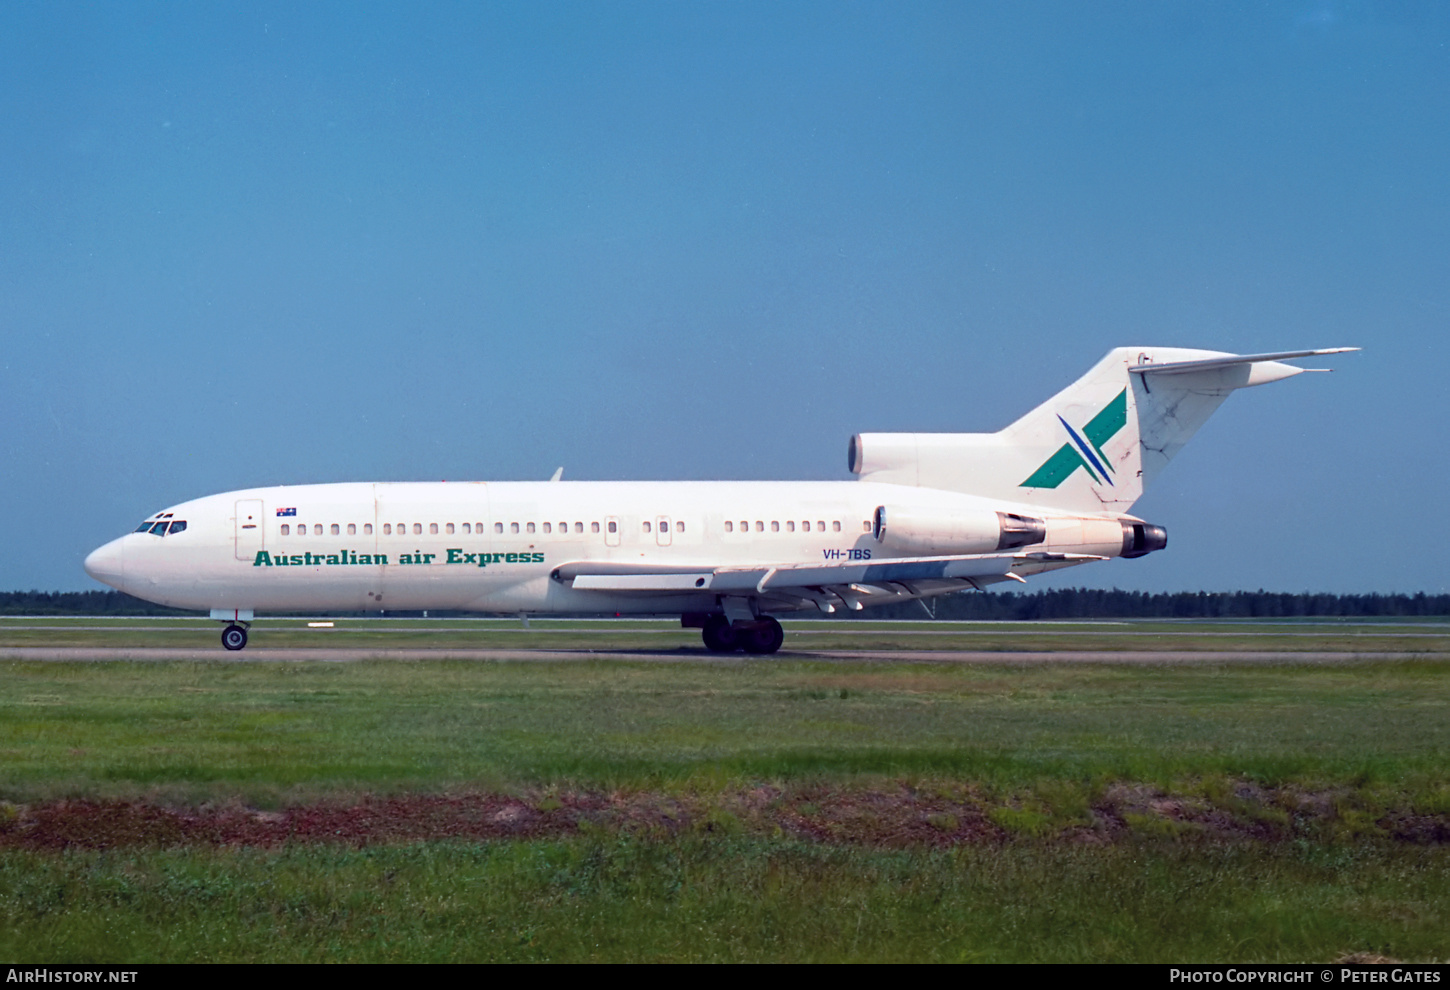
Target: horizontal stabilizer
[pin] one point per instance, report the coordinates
(1228, 361)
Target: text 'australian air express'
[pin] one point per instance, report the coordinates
(929, 514)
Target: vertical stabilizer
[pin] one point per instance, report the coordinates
(1094, 446)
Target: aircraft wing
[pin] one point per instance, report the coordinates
(852, 583)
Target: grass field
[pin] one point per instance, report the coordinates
(750, 809)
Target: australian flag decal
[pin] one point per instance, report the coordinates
(287, 512)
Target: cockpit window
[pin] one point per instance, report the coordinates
(162, 526)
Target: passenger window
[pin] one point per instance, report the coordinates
(367, 529)
(613, 528)
(563, 527)
(729, 526)
(433, 529)
(286, 529)
(594, 527)
(529, 527)
(865, 525)
(774, 526)
(513, 527)
(836, 525)
(646, 527)
(417, 529)
(789, 526)
(806, 526)
(449, 528)
(317, 529)
(744, 526)
(301, 529)
(548, 528)
(664, 527)
(466, 528)
(352, 529)
(177, 526)
(579, 527)
(336, 530)
(679, 526)
(759, 526)
(387, 529)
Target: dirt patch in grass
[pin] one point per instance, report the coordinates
(898, 815)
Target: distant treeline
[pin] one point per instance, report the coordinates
(1096, 603)
(1061, 603)
(79, 603)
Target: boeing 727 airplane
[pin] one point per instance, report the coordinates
(929, 514)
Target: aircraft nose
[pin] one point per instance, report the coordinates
(107, 564)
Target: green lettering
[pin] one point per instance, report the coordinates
(363, 559)
(332, 558)
(407, 558)
(263, 558)
(428, 558)
(510, 558)
(295, 560)
(454, 556)
(380, 558)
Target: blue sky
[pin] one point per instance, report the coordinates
(260, 244)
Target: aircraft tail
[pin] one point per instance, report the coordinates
(1093, 447)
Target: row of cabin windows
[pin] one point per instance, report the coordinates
(548, 527)
(563, 527)
(336, 529)
(447, 528)
(806, 526)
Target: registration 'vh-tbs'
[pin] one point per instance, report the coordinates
(928, 514)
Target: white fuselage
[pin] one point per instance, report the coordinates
(498, 546)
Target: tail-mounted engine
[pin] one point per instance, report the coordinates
(941, 532)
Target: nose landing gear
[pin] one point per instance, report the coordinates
(234, 636)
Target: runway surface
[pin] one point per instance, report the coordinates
(696, 655)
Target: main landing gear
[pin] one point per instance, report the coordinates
(761, 636)
(234, 637)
